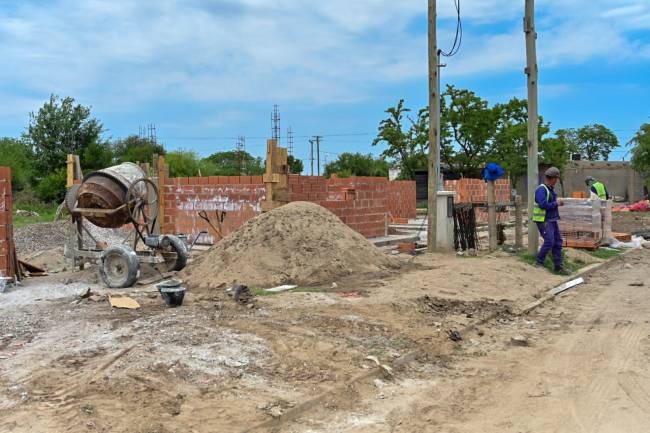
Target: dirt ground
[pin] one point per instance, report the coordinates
(307, 361)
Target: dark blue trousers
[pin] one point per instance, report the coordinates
(550, 231)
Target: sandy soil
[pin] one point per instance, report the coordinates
(298, 362)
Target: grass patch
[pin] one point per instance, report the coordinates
(548, 263)
(605, 253)
(45, 214)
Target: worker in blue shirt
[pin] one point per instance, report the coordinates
(546, 216)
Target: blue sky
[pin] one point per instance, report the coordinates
(206, 71)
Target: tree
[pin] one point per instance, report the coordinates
(183, 163)
(136, 149)
(97, 156)
(17, 155)
(641, 151)
(405, 147)
(59, 128)
(593, 142)
(472, 125)
(357, 164)
(295, 165)
(235, 163)
(509, 145)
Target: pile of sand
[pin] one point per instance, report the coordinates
(299, 243)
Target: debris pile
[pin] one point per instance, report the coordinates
(299, 243)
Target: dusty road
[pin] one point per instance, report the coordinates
(298, 362)
(585, 369)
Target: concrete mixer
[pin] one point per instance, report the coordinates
(112, 198)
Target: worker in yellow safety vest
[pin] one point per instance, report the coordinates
(546, 215)
(597, 188)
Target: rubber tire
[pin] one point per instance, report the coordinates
(127, 277)
(179, 247)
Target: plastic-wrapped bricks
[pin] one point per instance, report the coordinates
(584, 222)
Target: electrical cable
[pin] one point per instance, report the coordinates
(458, 39)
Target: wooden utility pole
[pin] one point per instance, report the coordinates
(533, 166)
(434, 115)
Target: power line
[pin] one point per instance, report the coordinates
(458, 39)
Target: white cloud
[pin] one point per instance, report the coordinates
(125, 52)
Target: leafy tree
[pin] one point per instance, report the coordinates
(17, 155)
(357, 164)
(235, 163)
(641, 151)
(405, 146)
(472, 125)
(51, 189)
(593, 142)
(183, 163)
(97, 156)
(136, 149)
(60, 127)
(509, 145)
(295, 165)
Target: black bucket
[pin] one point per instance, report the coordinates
(171, 292)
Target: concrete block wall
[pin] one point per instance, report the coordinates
(363, 203)
(6, 222)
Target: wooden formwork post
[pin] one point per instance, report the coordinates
(519, 224)
(71, 170)
(492, 215)
(159, 227)
(276, 177)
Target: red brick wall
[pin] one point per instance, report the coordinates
(475, 191)
(6, 227)
(363, 203)
(239, 196)
(402, 199)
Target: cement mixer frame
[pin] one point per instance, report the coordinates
(119, 265)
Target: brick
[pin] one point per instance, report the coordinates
(245, 180)
(204, 180)
(183, 181)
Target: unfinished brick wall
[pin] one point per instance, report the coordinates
(475, 191)
(6, 226)
(402, 200)
(239, 196)
(363, 203)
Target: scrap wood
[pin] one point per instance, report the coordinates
(31, 270)
(552, 293)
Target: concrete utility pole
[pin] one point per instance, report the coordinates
(311, 155)
(533, 166)
(434, 122)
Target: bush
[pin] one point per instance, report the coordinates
(52, 188)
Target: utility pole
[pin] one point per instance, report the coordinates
(533, 166)
(318, 138)
(434, 115)
(311, 155)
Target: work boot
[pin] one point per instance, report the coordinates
(538, 264)
(562, 271)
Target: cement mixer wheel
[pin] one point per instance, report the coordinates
(142, 207)
(174, 252)
(119, 266)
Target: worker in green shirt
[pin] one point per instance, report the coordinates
(597, 188)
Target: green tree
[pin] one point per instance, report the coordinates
(593, 142)
(136, 149)
(17, 155)
(472, 125)
(51, 189)
(295, 165)
(183, 163)
(97, 156)
(406, 146)
(60, 127)
(641, 151)
(509, 145)
(357, 164)
(235, 163)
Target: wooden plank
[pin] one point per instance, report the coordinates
(70, 164)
